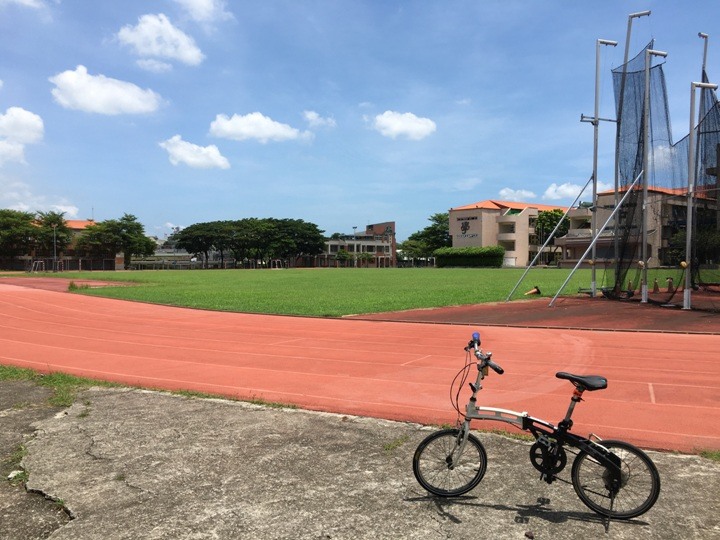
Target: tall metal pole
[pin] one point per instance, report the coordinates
(621, 101)
(649, 53)
(54, 228)
(596, 125)
(690, 191)
(703, 35)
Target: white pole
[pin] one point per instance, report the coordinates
(649, 53)
(704, 36)
(621, 100)
(687, 303)
(596, 125)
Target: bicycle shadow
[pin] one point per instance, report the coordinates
(523, 513)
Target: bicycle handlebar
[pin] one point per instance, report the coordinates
(483, 358)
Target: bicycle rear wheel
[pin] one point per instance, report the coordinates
(432, 463)
(639, 488)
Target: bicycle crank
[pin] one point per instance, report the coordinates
(543, 460)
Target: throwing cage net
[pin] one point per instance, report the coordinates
(665, 210)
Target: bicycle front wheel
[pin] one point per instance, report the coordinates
(639, 482)
(434, 458)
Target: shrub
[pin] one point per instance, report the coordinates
(490, 256)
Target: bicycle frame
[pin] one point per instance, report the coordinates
(540, 429)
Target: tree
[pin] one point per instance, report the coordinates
(546, 222)
(53, 234)
(434, 236)
(17, 233)
(110, 237)
(342, 256)
(198, 238)
(295, 238)
(413, 248)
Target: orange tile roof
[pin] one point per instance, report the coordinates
(507, 205)
(79, 224)
(666, 191)
(701, 192)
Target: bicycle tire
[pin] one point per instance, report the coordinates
(431, 468)
(640, 482)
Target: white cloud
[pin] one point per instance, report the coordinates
(156, 36)
(567, 190)
(205, 10)
(21, 126)
(11, 151)
(18, 127)
(254, 126)
(394, 124)
(35, 4)
(17, 195)
(99, 94)
(192, 155)
(518, 195)
(1, 84)
(155, 66)
(314, 120)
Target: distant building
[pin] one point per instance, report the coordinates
(667, 216)
(375, 247)
(500, 223)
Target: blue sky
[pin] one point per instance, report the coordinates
(342, 113)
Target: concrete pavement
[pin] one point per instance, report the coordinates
(130, 464)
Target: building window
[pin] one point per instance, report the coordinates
(509, 245)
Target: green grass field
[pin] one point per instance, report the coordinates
(327, 292)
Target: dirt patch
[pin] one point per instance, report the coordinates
(58, 284)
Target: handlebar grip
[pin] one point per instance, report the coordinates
(497, 369)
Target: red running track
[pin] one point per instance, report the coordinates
(662, 393)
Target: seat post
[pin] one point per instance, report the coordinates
(576, 397)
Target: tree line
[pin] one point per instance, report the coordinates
(260, 239)
(47, 234)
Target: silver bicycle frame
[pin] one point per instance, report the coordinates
(519, 419)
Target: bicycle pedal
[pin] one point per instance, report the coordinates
(548, 478)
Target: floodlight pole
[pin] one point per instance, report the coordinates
(596, 125)
(704, 36)
(649, 53)
(54, 228)
(690, 191)
(621, 100)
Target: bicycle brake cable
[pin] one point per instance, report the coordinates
(463, 374)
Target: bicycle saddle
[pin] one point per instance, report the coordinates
(588, 382)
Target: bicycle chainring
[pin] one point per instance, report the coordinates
(542, 459)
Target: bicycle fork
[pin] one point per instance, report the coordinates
(457, 450)
(464, 431)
